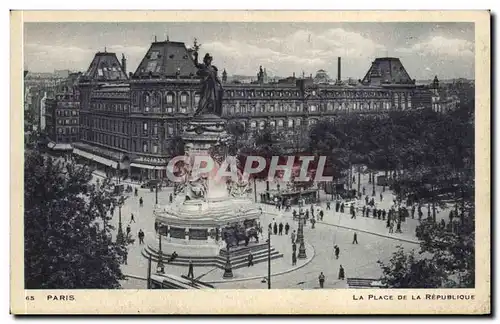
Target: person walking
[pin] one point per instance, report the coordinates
(321, 279)
(327, 205)
(140, 235)
(391, 227)
(294, 258)
(141, 202)
(337, 207)
(413, 211)
(136, 192)
(280, 229)
(366, 199)
(337, 251)
(367, 211)
(313, 221)
(287, 228)
(250, 259)
(363, 211)
(342, 207)
(379, 213)
(190, 270)
(275, 228)
(294, 214)
(132, 218)
(353, 212)
(355, 238)
(383, 214)
(170, 198)
(364, 191)
(381, 197)
(293, 236)
(374, 212)
(321, 214)
(398, 227)
(128, 230)
(294, 247)
(341, 273)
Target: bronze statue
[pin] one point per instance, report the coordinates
(211, 90)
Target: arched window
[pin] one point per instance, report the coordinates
(169, 98)
(396, 101)
(271, 108)
(280, 123)
(252, 109)
(290, 123)
(262, 124)
(312, 108)
(237, 109)
(184, 98)
(156, 99)
(144, 146)
(147, 101)
(253, 124)
(196, 99)
(298, 121)
(272, 124)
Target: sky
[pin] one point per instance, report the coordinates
(425, 49)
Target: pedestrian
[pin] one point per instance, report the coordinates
(125, 257)
(250, 259)
(353, 179)
(190, 270)
(327, 205)
(363, 211)
(276, 202)
(398, 227)
(353, 212)
(337, 251)
(132, 218)
(280, 228)
(443, 223)
(366, 199)
(294, 258)
(294, 214)
(313, 221)
(420, 213)
(270, 228)
(294, 247)
(307, 213)
(140, 235)
(450, 216)
(355, 238)
(364, 191)
(275, 228)
(413, 211)
(170, 198)
(287, 228)
(341, 273)
(383, 214)
(342, 207)
(321, 214)
(337, 207)
(293, 236)
(381, 197)
(140, 202)
(128, 230)
(367, 211)
(391, 227)
(379, 213)
(321, 280)
(135, 192)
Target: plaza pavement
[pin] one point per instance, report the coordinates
(358, 260)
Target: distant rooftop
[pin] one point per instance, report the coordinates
(388, 70)
(105, 67)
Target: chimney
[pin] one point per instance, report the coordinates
(339, 71)
(124, 64)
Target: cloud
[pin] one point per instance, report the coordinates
(301, 50)
(441, 46)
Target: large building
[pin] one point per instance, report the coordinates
(62, 115)
(128, 122)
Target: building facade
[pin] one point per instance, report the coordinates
(442, 102)
(128, 124)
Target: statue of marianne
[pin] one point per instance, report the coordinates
(211, 90)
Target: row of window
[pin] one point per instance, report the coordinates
(288, 93)
(122, 142)
(67, 130)
(110, 107)
(121, 126)
(271, 108)
(66, 113)
(290, 123)
(153, 99)
(67, 121)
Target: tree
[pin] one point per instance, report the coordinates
(67, 234)
(405, 270)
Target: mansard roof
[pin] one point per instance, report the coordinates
(387, 70)
(105, 67)
(167, 59)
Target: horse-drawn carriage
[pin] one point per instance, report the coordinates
(234, 234)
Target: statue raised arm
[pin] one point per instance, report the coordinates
(211, 91)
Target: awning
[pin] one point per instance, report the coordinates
(96, 158)
(146, 166)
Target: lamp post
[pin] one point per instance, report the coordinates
(228, 269)
(120, 236)
(160, 267)
(268, 259)
(300, 238)
(156, 194)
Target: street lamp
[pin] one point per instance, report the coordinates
(120, 236)
(156, 194)
(300, 238)
(228, 269)
(268, 259)
(160, 267)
